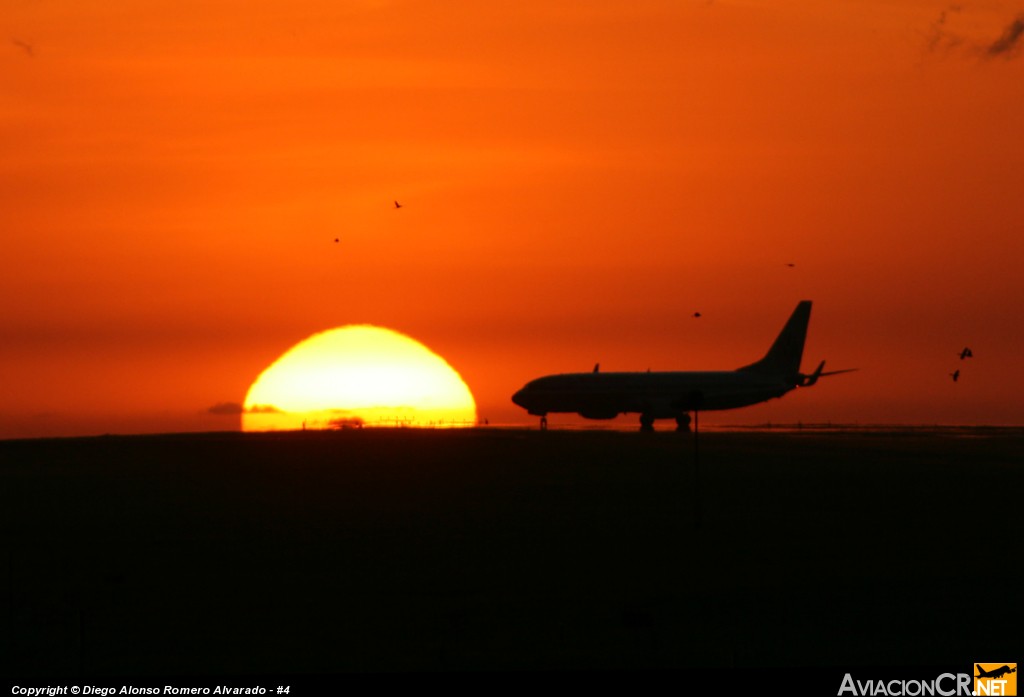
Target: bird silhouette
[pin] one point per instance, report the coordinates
(966, 353)
(24, 46)
(397, 204)
(696, 314)
(335, 240)
(790, 265)
(955, 375)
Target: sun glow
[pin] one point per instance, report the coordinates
(358, 375)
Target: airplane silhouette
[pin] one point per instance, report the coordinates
(672, 395)
(994, 673)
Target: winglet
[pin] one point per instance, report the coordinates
(808, 380)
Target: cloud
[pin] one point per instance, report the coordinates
(1008, 42)
(942, 39)
(234, 409)
(263, 409)
(226, 408)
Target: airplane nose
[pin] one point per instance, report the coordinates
(519, 398)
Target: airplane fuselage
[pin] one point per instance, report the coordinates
(672, 395)
(661, 395)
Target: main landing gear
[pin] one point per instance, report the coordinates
(543, 423)
(683, 423)
(646, 422)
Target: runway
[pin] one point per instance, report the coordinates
(387, 550)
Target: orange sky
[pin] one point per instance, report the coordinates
(577, 178)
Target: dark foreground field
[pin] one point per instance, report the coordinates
(504, 550)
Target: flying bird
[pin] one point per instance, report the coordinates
(26, 47)
(397, 204)
(335, 240)
(966, 353)
(790, 264)
(955, 375)
(696, 314)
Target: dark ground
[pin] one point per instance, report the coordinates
(404, 550)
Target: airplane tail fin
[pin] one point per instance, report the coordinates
(784, 357)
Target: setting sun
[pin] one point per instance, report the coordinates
(356, 375)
